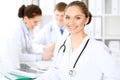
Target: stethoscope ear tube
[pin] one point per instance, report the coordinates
(73, 72)
(81, 53)
(63, 45)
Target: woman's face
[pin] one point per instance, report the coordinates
(75, 19)
(31, 23)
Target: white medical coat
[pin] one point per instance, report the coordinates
(95, 63)
(21, 43)
(48, 34)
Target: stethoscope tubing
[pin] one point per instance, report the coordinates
(63, 45)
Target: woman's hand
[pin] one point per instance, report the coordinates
(49, 50)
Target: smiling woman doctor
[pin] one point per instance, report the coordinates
(80, 57)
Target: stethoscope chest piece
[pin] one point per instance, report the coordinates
(72, 73)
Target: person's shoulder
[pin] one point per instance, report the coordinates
(98, 45)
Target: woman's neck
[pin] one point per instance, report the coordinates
(76, 40)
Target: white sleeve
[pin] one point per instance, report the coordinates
(25, 57)
(50, 75)
(106, 63)
(40, 37)
(37, 48)
(40, 40)
(54, 74)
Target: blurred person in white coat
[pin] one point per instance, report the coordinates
(80, 57)
(30, 16)
(44, 41)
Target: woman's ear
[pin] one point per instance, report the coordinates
(87, 20)
(25, 19)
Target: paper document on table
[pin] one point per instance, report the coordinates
(10, 76)
(42, 66)
(25, 74)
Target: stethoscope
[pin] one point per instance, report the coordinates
(72, 72)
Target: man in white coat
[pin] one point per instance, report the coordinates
(44, 41)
